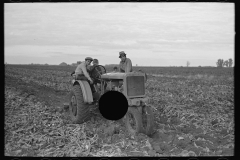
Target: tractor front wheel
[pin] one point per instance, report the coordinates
(147, 120)
(133, 121)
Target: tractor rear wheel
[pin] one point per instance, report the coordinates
(147, 120)
(133, 121)
(79, 111)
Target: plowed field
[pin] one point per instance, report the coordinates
(193, 109)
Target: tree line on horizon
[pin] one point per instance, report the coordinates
(227, 63)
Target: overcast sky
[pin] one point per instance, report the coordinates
(151, 34)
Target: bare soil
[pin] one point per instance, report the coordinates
(48, 96)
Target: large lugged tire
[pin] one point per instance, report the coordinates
(79, 112)
(147, 120)
(134, 115)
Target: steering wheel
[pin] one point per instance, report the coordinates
(97, 71)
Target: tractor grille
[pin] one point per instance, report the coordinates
(135, 86)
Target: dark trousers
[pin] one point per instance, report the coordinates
(82, 77)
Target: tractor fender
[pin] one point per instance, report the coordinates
(86, 90)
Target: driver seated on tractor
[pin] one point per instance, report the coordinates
(95, 71)
(125, 64)
(95, 63)
(82, 74)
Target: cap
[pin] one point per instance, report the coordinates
(95, 60)
(88, 58)
(121, 53)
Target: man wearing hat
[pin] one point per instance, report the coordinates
(125, 63)
(81, 71)
(95, 63)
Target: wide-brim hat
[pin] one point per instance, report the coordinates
(122, 53)
(88, 58)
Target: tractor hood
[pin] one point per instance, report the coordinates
(113, 75)
(118, 75)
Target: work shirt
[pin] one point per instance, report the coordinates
(125, 66)
(82, 70)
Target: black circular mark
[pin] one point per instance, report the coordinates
(113, 105)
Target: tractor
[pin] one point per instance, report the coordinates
(82, 102)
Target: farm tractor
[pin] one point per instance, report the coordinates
(83, 101)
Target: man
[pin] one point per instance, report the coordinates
(97, 70)
(81, 71)
(125, 63)
(90, 68)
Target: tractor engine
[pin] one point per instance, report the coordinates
(115, 85)
(132, 85)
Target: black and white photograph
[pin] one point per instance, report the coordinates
(119, 79)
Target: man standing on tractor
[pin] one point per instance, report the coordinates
(125, 63)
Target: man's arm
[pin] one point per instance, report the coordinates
(85, 72)
(129, 66)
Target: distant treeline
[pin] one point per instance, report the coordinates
(149, 70)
